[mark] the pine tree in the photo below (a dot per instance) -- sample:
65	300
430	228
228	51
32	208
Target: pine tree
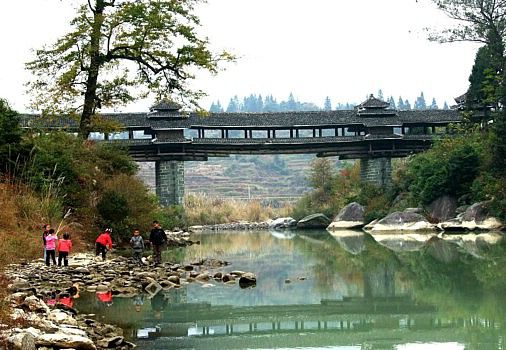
391	102
327	106
400	104
234	106
445	107
380	95
407	105
434	105
420	102
291	104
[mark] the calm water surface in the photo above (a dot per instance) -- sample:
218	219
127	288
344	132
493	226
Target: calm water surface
319	291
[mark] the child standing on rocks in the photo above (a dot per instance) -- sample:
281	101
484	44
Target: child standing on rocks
64	247
137	243
51	239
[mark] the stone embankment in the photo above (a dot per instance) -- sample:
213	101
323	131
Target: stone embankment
61	326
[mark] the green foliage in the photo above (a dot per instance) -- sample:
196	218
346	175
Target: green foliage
449	167
113	209
10	135
172	217
332	190
119	51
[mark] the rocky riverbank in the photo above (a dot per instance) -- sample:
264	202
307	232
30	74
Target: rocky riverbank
34	286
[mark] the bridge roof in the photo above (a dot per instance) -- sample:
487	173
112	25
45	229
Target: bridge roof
262	120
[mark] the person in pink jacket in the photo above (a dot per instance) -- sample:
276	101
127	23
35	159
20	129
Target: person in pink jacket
51	240
64	247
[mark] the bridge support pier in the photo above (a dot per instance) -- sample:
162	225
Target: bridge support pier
169	182
377	171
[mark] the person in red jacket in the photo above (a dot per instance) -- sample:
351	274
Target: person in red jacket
103	241
64	247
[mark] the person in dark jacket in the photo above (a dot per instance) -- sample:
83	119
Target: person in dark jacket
158	239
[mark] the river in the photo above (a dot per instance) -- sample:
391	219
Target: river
319	291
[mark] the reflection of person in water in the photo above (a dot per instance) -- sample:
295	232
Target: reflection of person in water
105	297
138	302
158	304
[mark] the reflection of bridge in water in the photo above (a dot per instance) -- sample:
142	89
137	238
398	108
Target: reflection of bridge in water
371	323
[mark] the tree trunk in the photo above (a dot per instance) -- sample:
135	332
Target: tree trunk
90	96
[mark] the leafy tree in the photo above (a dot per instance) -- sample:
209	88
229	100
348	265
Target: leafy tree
483	21
10	134
327	106
118	51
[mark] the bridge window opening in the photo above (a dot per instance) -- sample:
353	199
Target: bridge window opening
416	130
141	135
398	130
440	129
191	133
123	135
327	132
212	134
96	136
347	132
235	134
283	134
259	134
305	133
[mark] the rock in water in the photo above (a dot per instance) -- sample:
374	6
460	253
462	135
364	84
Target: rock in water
402	221
282	223
476	216
351	216
248	280
314	221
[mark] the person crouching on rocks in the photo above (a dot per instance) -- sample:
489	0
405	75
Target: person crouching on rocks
158	239
102	242
64	247
51	240
137	243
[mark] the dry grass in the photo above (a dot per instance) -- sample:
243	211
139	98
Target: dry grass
21	219
204	210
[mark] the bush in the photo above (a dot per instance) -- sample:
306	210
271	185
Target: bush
10	136
450	167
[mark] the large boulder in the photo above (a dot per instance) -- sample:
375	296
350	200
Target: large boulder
314	221
282	223
351	216
475	217
442	208
62	340
403	221
22	341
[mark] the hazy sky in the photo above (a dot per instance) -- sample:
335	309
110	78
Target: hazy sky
345	49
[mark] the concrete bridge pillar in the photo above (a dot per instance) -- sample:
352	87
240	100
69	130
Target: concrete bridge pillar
169	177
377	171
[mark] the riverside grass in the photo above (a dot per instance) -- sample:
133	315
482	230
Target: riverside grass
205	210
